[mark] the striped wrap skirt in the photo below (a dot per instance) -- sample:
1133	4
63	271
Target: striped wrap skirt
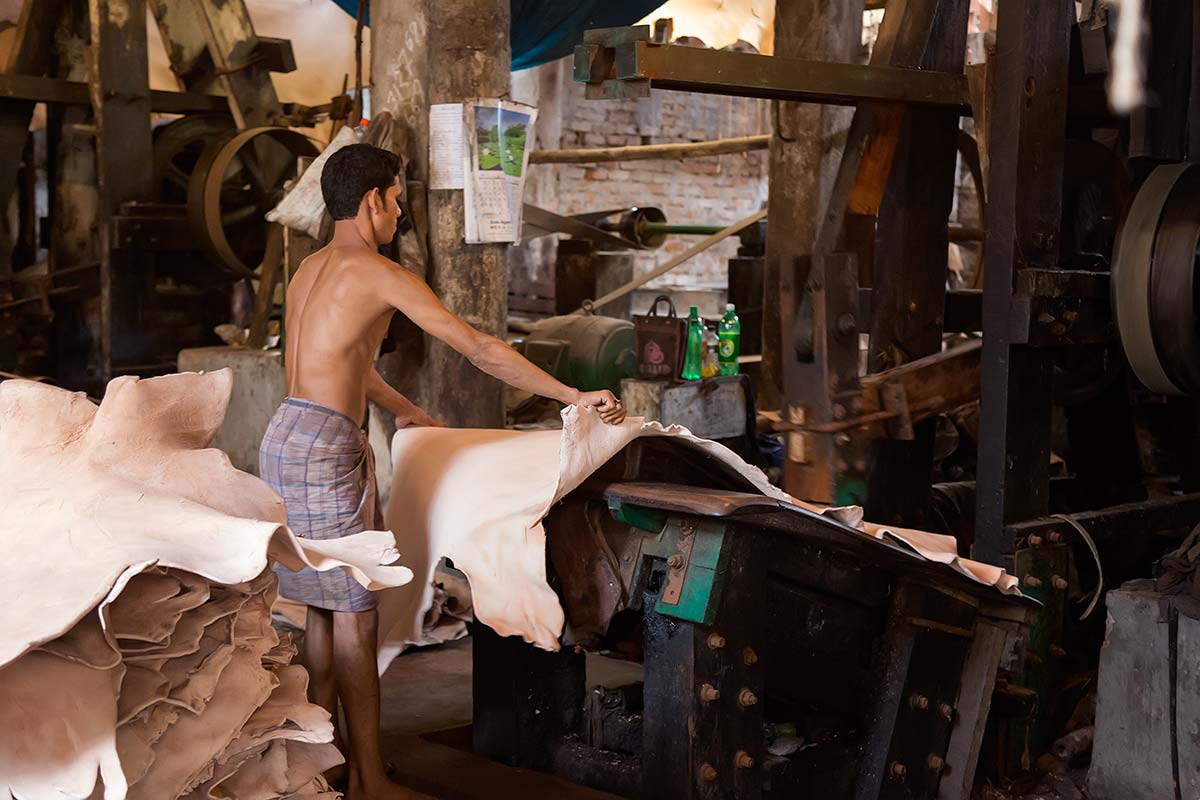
319	462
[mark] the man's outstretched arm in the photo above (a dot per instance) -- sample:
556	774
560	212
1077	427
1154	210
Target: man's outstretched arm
411	296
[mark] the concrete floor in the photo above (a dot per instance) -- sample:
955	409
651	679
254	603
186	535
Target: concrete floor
429	689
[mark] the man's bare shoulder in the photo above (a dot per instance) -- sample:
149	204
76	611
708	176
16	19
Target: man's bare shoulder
374	265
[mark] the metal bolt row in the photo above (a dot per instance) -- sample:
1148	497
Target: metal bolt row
741	760
933	762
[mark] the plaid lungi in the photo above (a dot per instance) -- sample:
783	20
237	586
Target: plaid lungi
319	462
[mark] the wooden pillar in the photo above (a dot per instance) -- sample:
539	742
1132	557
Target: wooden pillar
1026	143
821	326
447	52
30	55
909	273
119	80
805	147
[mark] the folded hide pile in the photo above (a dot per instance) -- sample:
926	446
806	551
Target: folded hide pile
137	657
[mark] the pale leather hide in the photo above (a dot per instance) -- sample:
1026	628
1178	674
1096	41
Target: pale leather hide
137	656
479	497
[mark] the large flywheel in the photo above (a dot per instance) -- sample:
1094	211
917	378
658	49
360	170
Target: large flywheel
1154	281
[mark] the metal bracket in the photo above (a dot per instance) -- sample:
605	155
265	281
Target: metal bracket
608	54
679	561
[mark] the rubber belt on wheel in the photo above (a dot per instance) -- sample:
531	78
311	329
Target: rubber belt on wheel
1130	287
1172	284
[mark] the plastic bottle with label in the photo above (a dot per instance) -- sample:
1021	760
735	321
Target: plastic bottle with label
694	354
730	346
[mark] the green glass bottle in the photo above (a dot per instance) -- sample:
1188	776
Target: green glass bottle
730	345
694	355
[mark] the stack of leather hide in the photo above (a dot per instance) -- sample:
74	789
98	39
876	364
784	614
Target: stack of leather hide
137	656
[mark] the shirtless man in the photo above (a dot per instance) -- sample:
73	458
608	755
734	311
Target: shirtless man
315	453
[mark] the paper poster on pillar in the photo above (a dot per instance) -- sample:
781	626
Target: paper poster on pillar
498	136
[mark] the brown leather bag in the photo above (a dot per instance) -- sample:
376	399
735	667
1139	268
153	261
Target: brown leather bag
661	342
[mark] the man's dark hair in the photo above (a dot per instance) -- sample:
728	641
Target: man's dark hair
352	172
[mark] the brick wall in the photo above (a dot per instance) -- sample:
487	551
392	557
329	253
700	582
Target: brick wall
717	190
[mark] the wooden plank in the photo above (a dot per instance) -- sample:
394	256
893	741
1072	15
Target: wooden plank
185	42
233	48
30	54
974	704
118	78
1026	144
41	89
691	69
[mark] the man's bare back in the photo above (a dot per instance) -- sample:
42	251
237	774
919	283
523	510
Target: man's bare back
335	321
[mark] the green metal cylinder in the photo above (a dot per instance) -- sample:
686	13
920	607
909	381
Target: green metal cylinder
584	351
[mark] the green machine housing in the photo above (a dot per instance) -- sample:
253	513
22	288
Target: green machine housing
585	351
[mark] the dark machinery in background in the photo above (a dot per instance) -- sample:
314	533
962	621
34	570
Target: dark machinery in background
155	199
1065	440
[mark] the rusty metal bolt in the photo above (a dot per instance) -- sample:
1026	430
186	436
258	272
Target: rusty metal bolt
842	439
1031	581
918	702
1059	582
709	693
743	760
749	657
946	712
746	698
708	773
675	561
935	762
1055	537
897	770
715	641
1057	651
839	411
1034	540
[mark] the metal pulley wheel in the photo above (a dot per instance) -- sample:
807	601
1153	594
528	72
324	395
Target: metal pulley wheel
1154	281
237	180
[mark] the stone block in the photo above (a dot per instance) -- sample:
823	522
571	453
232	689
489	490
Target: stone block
1148	636
259	386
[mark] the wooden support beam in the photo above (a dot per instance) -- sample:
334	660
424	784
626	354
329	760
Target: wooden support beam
119	81
240	71
40	89
802	160
1026	142
833	469
1162	516
909	272
618	70
717	147
30	54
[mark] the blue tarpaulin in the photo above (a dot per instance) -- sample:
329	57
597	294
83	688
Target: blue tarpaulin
545	30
